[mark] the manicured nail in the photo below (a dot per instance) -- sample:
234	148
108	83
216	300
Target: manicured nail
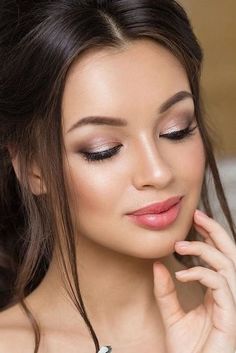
199	213
181	273
157	264
182	244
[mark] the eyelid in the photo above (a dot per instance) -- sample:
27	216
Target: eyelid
174	124
176	128
103	147
179	125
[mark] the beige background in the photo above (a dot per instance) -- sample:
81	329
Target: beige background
214	22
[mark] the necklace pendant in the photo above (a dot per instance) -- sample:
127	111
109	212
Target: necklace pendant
105	349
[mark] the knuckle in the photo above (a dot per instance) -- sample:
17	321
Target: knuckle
198	247
222	280
197	269
228	266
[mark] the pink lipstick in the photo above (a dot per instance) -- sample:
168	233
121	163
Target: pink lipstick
159	215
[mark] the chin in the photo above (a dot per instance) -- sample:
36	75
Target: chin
153	245
148	250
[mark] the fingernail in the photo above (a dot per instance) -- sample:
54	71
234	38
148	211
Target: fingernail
157	263
182	244
199	213
181	273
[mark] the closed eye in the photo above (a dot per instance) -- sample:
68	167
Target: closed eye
102	155
180	134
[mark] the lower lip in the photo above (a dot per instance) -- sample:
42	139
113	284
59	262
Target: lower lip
158	221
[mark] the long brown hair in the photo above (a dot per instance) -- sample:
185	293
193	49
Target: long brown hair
39	41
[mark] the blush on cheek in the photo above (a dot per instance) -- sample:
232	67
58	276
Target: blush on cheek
191	156
93	192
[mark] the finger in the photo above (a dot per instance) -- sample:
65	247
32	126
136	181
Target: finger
205	235
213	257
166	295
217	233
224	313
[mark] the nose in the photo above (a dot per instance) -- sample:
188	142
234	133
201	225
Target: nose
152	168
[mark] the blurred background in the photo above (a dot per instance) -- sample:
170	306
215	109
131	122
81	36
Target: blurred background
214	23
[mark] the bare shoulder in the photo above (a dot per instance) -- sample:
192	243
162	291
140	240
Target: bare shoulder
17	336
15	331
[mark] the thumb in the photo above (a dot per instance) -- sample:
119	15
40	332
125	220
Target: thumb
166	295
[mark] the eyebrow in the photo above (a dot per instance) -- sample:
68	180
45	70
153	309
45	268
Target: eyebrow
112	121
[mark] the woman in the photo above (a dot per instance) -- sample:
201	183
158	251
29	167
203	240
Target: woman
105	160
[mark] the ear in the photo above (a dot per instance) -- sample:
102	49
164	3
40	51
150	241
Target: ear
36	183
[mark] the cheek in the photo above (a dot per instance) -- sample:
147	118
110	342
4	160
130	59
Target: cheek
96	188
197	161
189	162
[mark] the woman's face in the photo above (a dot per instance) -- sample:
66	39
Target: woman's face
137	85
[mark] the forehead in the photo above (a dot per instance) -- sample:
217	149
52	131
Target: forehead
122	81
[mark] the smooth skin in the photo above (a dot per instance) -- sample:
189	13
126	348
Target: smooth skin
131	301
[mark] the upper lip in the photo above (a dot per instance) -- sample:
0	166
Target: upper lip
157	207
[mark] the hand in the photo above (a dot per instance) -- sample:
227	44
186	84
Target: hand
211	327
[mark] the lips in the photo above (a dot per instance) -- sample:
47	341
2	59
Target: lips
158	207
158	216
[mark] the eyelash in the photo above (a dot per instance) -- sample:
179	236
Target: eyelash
101	156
